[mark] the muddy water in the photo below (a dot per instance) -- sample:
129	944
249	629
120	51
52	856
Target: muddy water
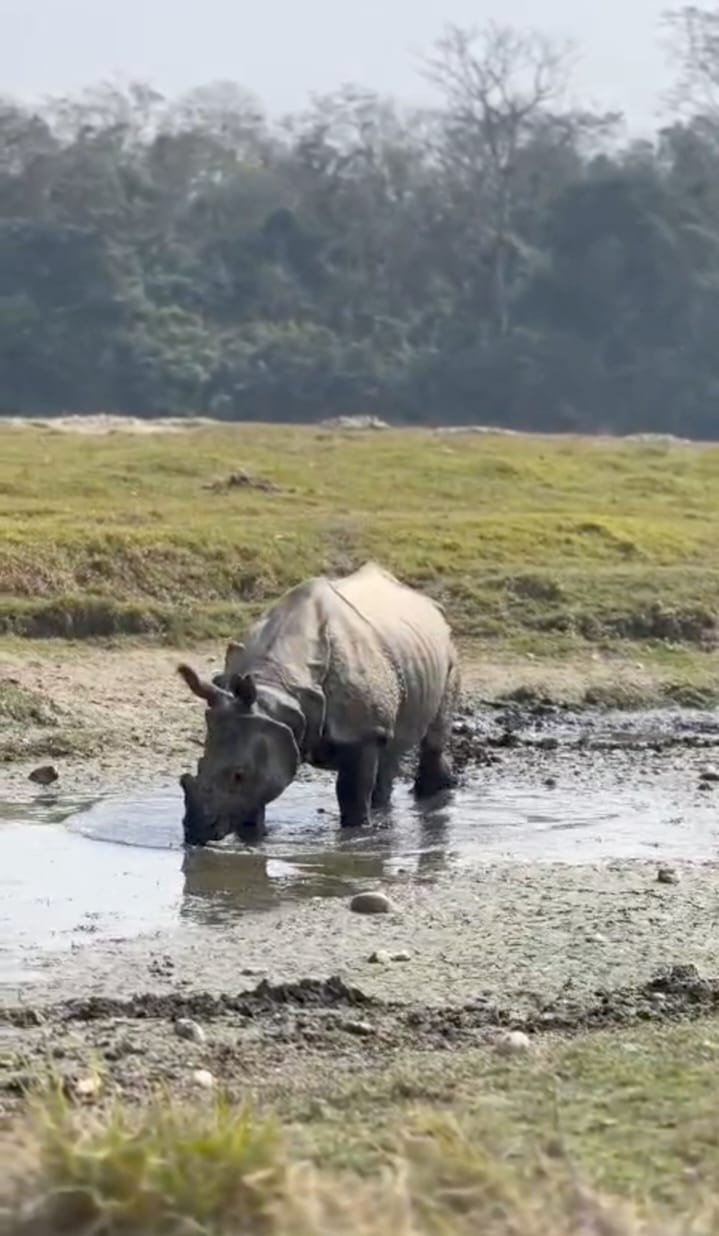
72	870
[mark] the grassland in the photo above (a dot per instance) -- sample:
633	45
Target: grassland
540	542
600	554
604	1135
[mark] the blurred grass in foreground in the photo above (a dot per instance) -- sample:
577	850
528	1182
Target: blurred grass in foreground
605	1135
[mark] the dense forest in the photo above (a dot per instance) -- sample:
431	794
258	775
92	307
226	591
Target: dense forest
501	257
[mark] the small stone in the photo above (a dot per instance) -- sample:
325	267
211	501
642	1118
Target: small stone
44	775
187	1029
86	1087
513	1043
596	937
361	1028
371	903
710	773
380	958
667	875
550	783
203	1078
401	957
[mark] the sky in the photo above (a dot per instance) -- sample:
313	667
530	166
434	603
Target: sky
286	50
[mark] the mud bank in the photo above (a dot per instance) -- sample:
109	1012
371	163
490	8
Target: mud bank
277	1035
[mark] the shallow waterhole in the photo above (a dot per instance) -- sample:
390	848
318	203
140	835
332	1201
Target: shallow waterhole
75	869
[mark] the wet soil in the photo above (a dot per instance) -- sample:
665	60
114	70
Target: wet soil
529	898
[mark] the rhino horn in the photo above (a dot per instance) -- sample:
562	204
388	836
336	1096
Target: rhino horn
204	690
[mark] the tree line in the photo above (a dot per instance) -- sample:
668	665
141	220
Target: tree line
502	256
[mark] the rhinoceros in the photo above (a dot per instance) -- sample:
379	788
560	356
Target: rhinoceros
346	674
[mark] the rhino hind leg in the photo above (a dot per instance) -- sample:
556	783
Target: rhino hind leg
356	778
384	781
434	771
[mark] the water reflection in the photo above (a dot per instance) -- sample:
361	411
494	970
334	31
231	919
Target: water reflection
44	807
222	883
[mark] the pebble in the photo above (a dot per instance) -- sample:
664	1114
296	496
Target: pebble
710	773
203	1078
513	1043
370	903
550	783
380	958
44	775
362	1028
668	875
187	1029
85	1087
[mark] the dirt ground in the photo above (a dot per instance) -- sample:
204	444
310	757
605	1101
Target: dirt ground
464	953
126	709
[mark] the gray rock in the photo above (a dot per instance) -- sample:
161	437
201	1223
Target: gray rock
371	903
44	775
513	1043
668	875
360	1028
187	1029
380	958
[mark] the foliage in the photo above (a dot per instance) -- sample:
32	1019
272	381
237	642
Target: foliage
501	256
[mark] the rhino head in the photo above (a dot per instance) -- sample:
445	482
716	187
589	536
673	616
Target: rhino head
252	752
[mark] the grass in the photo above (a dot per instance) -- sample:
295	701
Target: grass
540	542
608	1134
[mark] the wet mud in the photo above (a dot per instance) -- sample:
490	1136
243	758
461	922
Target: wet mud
569	883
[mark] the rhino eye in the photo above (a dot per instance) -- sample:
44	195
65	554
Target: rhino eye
238	777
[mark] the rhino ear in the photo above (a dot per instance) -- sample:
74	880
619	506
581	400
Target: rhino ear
244	690
234	649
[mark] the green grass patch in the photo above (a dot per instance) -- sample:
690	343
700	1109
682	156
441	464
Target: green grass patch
519	537
612	1133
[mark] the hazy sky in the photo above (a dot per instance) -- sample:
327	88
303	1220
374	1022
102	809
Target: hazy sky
285	49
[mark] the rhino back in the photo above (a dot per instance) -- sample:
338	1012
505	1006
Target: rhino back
380	651
392	646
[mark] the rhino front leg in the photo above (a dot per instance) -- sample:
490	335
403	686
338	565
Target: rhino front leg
355	782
